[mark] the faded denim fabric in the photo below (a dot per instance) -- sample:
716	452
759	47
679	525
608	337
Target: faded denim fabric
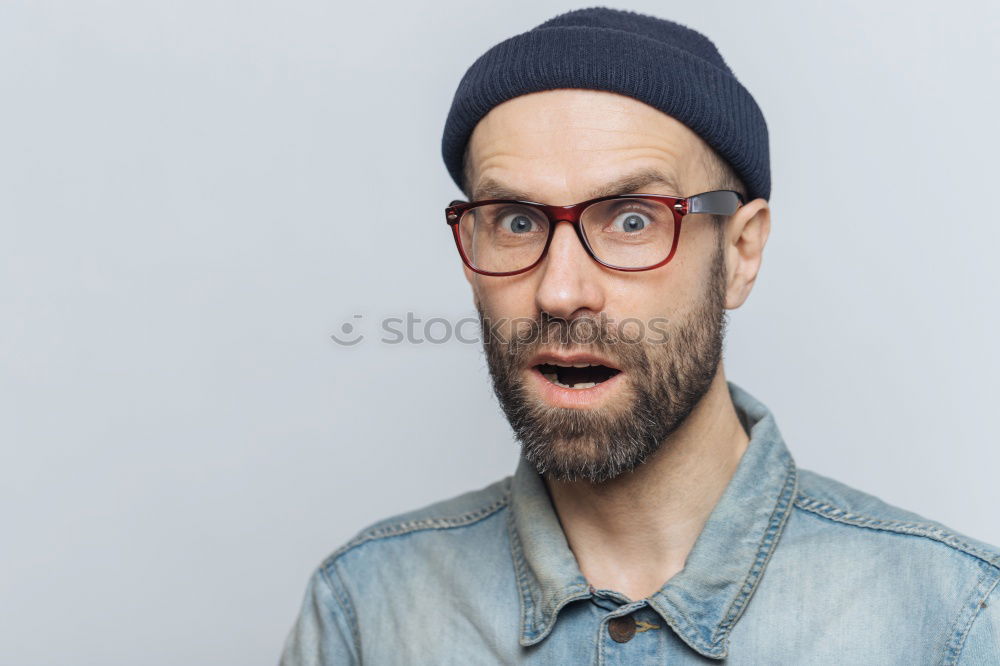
791	568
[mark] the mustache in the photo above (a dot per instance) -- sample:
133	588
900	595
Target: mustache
597	335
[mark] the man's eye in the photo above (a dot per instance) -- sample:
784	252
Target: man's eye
630	222
518	223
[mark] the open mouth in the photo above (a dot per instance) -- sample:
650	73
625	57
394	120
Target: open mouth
576	375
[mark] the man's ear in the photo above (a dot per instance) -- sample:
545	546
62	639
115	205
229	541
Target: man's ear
745	236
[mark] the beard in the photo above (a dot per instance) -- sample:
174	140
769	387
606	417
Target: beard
665	380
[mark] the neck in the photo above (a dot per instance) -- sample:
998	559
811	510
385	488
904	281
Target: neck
633	533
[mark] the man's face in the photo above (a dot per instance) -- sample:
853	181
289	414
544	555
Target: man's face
561	147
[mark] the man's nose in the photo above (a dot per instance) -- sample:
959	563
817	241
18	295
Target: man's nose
570	283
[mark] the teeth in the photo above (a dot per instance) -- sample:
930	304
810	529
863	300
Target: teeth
555	380
554	377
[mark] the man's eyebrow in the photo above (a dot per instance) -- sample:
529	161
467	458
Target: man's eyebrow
629	184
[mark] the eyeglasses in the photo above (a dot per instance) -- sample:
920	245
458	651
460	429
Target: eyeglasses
626	232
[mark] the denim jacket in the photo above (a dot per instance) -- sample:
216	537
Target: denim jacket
790	568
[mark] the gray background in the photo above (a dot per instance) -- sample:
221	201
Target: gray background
187	198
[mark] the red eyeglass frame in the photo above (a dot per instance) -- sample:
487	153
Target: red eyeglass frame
716	202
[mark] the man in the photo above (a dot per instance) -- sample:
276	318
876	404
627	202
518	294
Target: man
618	178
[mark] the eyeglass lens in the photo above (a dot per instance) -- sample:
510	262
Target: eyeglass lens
630	233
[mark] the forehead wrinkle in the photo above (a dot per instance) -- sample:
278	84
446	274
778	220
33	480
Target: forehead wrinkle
671	156
632	182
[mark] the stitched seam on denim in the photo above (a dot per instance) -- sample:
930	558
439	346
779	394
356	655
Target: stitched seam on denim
927	530
600	644
345	602
768	542
520	570
399	529
601	640
979	596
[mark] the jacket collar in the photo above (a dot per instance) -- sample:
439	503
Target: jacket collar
702	602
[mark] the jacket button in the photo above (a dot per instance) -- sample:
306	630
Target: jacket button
622	628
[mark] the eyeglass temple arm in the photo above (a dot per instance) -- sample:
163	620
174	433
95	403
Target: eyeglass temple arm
720	202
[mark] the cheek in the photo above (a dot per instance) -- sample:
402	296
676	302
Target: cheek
506	298
507	309
662	292
681	285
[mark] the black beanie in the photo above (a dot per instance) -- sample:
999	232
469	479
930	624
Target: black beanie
664	64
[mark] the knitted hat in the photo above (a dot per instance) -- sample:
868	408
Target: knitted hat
664	64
